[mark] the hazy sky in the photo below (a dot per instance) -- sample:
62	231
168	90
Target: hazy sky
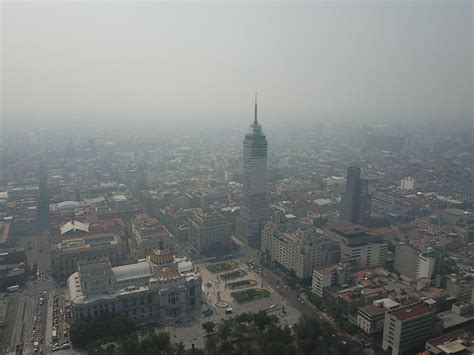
170	62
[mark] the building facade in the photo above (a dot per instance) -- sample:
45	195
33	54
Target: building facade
413	264
461	286
382	202
358	244
209	229
371	318
301	251
162	288
149	234
327	277
254	209
355	201
406	260
408	328
66	253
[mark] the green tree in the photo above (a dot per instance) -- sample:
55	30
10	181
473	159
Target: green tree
209	326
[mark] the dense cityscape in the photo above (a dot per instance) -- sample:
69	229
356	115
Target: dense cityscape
237	178
350	227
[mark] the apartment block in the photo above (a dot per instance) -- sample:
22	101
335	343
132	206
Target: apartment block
327	277
209	229
301	251
460	286
407	329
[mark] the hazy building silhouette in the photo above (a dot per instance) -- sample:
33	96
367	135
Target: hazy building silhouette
355	201
254	208
43	198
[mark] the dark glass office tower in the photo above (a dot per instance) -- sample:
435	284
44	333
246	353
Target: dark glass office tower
355	202
254	207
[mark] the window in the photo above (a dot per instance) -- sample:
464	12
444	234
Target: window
150	299
173	312
173	298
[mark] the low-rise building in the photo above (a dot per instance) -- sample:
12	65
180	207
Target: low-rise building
149	234
457	342
371	318
67	252
358	244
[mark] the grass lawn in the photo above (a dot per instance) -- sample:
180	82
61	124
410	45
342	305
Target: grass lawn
250	295
233	275
242	283
222	267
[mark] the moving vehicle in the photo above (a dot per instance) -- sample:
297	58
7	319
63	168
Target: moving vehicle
228	311
14	288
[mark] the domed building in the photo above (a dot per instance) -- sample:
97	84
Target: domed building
162	288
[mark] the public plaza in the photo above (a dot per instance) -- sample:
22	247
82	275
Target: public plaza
217	295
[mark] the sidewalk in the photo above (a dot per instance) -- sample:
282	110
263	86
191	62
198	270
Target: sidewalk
49	323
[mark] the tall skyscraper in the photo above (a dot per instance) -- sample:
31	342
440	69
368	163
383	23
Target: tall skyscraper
355	202
254	208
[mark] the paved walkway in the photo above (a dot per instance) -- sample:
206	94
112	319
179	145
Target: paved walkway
191	332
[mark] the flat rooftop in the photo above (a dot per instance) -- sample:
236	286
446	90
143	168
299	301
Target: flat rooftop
372	310
348	229
411	312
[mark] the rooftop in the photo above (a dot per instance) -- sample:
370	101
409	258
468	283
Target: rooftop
74	226
348	229
373	310
411	312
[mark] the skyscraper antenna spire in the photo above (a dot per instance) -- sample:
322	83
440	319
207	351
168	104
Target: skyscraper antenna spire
255	122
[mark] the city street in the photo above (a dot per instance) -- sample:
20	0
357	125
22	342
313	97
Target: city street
26	318
276	279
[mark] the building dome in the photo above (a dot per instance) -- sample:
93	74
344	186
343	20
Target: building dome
167	273
161	257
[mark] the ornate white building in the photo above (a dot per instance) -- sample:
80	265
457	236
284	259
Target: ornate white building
161	289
